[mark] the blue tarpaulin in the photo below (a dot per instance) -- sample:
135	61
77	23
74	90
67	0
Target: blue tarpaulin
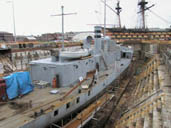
18	84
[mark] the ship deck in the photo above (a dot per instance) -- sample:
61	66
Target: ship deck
40	99
10	113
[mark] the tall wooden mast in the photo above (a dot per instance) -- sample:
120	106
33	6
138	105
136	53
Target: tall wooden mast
118	11
142	4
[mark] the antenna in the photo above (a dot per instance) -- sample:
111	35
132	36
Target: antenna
63	14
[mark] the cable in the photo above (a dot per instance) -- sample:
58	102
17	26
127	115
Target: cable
161	18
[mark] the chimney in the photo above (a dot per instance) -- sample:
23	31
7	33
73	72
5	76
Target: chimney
98	40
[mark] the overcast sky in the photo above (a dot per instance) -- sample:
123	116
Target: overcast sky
34	16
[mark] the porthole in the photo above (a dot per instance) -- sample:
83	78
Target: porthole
76	66
89	92
78	100
44	68
56	112
67	105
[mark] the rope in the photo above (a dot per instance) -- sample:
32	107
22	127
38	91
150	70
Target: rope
161	18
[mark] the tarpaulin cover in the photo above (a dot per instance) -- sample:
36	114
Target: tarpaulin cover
18	84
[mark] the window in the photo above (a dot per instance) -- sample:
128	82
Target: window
89	93
78	100
67	105
56	112
24	45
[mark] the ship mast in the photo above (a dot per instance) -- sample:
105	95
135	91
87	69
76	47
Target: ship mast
63	14
143	8
118	11
142	4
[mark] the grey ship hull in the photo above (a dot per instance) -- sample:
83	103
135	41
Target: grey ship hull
107	59
48	118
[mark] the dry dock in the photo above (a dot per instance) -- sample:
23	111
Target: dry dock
139	98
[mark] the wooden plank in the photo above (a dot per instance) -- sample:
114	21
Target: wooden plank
88	112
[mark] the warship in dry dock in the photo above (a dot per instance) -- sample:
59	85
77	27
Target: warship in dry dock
73	79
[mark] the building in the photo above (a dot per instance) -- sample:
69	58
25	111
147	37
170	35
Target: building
6	37
69	35
50	36
56	36
26	38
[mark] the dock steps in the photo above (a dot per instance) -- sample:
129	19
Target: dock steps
150	105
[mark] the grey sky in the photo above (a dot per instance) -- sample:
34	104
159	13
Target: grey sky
33	16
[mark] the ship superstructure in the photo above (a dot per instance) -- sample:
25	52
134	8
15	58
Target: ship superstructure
72	82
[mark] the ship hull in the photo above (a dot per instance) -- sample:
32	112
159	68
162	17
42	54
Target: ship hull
85	98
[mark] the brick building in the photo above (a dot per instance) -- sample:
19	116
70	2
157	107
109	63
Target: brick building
50	36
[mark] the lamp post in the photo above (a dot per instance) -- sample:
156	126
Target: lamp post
62	7
13	14
104	18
